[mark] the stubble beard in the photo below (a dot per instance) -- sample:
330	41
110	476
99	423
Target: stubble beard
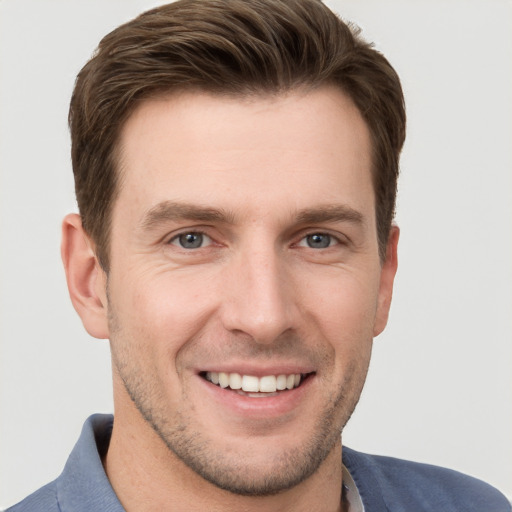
233	473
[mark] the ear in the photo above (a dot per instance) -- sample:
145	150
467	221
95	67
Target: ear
387	278
86	279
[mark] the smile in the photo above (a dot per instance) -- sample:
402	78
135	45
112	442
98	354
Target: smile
255	386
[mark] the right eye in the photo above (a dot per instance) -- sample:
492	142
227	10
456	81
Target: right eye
191	240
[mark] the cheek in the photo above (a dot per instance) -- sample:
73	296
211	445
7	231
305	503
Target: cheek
162	311
151	322
343	303
343	315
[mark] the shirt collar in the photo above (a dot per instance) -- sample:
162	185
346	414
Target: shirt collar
83	485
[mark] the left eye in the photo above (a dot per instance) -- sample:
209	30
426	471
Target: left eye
318	241
192	240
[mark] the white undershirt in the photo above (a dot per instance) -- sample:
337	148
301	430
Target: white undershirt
351	492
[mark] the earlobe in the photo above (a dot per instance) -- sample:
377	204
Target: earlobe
86	279
387	278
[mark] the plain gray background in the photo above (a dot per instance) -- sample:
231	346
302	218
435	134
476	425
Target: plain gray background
440	384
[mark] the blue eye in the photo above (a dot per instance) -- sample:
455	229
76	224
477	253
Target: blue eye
191	240
317	241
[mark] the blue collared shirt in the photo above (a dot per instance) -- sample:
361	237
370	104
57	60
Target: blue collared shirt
83	485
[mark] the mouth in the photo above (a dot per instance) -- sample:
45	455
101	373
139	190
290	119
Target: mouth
256	387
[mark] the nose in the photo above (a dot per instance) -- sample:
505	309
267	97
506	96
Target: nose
259	296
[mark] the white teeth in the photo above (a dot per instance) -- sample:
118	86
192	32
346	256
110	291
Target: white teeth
251	384
280	383
268	384
235	381
223	379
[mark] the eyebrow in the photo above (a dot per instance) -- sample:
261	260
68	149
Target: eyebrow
330	213
168	211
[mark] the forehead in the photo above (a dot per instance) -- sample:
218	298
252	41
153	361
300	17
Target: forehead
250	151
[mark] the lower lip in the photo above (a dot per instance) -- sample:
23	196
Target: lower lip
259	407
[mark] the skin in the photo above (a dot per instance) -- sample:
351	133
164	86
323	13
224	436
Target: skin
257	177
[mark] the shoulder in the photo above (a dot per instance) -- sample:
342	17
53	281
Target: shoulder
83	485
43	500
406	485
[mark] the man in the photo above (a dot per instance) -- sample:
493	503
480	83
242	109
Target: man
235	167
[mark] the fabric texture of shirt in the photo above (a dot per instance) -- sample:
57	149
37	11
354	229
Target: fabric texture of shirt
385	484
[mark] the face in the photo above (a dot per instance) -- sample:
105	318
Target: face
245	285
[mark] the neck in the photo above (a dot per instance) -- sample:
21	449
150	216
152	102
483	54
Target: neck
146	476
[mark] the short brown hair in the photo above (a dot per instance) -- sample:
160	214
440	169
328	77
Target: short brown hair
235	47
